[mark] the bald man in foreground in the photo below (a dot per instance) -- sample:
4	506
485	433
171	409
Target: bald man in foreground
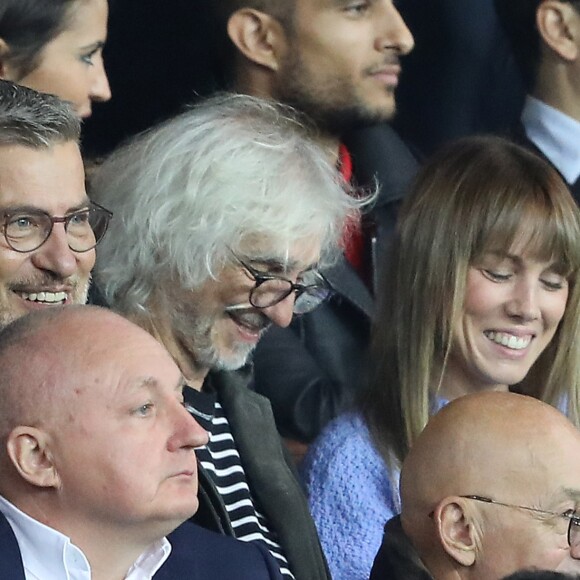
491	486
97	462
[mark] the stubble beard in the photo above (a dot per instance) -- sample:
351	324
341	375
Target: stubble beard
334	106
195	335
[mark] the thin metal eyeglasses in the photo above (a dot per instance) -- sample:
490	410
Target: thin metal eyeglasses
572	516
270	289
26	230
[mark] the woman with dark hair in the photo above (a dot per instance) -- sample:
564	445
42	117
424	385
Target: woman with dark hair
481	294
55	46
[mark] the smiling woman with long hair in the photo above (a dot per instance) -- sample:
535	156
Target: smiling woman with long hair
480	294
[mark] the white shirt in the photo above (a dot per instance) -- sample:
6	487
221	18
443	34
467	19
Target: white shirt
50	555
555	134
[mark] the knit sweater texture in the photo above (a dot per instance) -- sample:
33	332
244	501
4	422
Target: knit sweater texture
351	496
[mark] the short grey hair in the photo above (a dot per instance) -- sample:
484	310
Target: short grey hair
231	168
34	119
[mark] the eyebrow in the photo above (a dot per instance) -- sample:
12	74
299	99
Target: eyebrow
33	209
572	493
94	46
566	494
279	265
554	265
153	383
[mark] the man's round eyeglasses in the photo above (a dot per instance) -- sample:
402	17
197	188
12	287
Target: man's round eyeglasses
26	230
270	289
572	516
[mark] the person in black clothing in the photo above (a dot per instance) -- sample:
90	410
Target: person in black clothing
545	38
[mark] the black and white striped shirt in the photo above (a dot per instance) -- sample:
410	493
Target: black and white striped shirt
220	458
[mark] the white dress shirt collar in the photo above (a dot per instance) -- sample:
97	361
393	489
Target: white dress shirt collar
555	134
49	555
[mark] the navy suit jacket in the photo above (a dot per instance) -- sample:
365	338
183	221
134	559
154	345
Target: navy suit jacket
196	554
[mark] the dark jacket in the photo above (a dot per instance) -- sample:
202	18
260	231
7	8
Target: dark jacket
270	474
312	370
519	136
196	554
397	559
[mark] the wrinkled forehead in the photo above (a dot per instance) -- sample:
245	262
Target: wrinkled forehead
296	255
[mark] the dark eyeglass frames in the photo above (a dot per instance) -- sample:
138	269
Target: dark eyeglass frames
270	289
28	229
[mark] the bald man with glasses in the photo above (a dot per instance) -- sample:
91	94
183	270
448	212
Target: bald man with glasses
491	486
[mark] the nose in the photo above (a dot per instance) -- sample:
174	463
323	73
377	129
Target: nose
55	255
100	90
281	314
187	433
523	302
394	33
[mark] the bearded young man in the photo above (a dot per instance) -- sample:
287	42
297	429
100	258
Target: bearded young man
339	62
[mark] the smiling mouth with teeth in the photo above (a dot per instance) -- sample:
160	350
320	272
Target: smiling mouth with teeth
46	297
509	340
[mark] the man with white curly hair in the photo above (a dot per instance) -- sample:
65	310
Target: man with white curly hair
223	215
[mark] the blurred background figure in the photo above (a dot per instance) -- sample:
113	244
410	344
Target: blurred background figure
545	37
481	295
461	77
56	46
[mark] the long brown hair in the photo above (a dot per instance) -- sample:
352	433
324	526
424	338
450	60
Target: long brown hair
475	195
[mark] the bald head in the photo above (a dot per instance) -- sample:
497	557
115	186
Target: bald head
486	441
94	430
43	354
507	447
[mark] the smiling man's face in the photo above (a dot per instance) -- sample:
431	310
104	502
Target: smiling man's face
51	180
217	325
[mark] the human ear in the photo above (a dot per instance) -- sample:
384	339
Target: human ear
258	36
455	530
29	451
559	26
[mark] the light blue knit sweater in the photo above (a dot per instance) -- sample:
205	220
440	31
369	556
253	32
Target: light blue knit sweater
351	496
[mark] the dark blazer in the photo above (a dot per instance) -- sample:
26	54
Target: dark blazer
270	474
519	136
196	554
312	370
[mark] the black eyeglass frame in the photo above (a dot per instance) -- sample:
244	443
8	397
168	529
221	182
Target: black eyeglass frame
572	516
296	287
92	206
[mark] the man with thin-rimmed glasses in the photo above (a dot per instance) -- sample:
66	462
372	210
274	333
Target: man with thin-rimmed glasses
492	486
48	226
